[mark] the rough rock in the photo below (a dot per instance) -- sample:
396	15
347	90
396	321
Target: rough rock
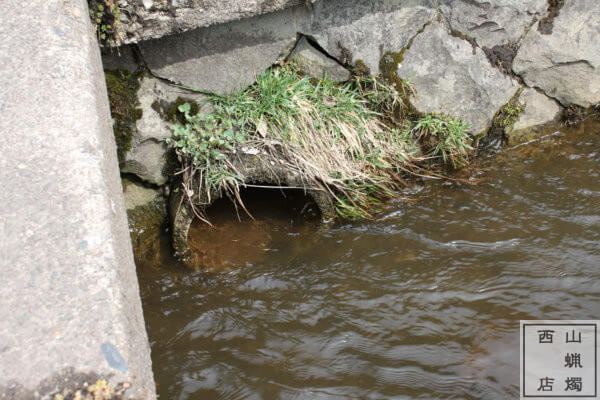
365	29
224	58
538	111
492	23
150	19
70	309
148	161
138	195
317	65
146	214
453	77
123	58
566	64
147	155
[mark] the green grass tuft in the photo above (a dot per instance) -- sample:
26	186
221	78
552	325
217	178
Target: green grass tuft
340	139
443	138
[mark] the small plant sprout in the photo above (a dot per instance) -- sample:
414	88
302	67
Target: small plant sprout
105	16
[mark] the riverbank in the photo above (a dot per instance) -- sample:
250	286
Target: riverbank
498	82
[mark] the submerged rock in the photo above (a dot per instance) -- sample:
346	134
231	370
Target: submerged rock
493	23
138	195
146	214
317	65
453	77
538	111
565	64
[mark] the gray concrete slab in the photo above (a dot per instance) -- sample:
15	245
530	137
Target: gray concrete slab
70	309
150	19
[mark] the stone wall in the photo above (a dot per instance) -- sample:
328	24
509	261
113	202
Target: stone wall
465	58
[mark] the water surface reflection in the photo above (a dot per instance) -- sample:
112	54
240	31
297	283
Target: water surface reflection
422	303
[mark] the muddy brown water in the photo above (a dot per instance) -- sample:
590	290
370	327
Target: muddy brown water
423	302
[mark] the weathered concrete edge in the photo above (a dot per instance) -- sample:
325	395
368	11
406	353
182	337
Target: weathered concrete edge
157	19
70	310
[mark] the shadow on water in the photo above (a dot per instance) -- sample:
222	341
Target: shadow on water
240	238
423	302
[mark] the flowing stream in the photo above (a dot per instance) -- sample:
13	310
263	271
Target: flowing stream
422	302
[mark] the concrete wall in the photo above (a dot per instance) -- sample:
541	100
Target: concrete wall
70	309
150	19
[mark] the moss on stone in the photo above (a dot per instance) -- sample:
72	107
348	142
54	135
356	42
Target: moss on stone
361	69
122	89
388	67
505	118
172	163
146	226
574	114
546	24
388	70
510	112
170	111
346	56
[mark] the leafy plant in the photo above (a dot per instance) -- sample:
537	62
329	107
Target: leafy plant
443	137
509	114
339	139
203	143
105	16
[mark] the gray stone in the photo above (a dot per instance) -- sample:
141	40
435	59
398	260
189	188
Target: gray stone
493	23
138	195
147	155
451	76
314	63
147	160
365	29
538	110
153	19
224	58
565	64
70	309
539	114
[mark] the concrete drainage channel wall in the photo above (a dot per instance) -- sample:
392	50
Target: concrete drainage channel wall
70	315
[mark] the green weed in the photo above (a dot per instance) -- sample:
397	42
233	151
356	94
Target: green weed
339	139
105	15
443	137
509	114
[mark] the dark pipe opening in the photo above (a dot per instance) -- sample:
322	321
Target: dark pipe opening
292	205
236	239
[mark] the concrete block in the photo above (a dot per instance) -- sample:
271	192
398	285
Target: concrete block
70	310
